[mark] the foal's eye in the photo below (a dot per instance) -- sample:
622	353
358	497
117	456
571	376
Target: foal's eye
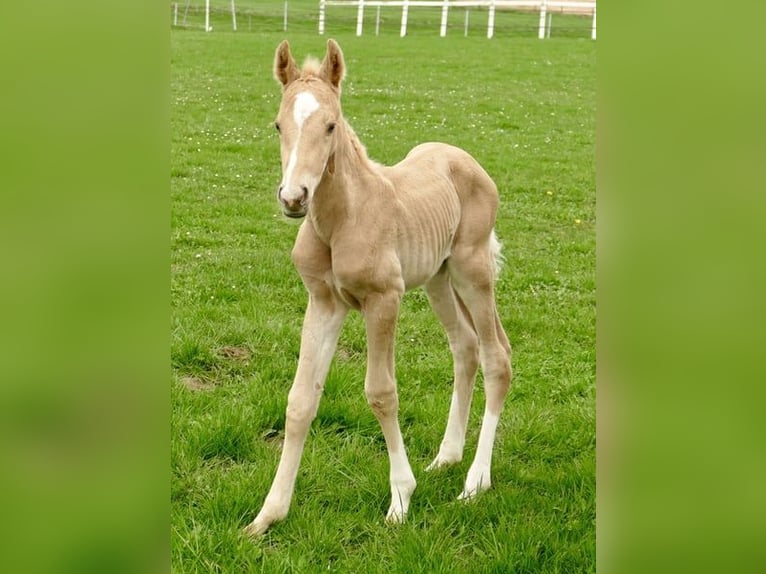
331	128
276	125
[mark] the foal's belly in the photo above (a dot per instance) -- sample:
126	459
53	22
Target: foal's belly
426	229
418	268
423	246
428	214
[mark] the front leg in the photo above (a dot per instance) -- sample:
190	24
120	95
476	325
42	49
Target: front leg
380	314
321	327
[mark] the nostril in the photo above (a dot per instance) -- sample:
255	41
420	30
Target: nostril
305	191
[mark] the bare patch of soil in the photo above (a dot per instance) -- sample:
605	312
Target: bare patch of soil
196	384
238	353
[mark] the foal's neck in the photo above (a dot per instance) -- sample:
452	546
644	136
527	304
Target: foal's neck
345	182
351	155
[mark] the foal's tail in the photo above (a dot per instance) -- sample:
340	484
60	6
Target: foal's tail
497	259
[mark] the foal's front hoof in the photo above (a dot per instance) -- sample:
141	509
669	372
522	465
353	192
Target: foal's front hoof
401	492
268	515
396	515
443	461
256	528
261	524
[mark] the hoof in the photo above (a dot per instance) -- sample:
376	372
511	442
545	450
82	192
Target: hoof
395	516
476	483
467	496
442	462
255	529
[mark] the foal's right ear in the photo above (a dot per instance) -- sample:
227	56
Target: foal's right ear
285	69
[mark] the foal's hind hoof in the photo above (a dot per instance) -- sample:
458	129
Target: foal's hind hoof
477	482
468	496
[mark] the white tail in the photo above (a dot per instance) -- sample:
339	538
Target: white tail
495	249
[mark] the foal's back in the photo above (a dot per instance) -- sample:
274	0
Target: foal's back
433	170
446	200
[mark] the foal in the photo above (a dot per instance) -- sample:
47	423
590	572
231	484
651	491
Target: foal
371	233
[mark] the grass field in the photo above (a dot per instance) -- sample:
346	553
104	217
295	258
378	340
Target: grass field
526	110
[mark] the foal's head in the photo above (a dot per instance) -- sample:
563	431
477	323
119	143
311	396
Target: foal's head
307	120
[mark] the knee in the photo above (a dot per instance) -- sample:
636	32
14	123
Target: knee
300	409
382	399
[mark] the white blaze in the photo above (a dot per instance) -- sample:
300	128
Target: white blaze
305	105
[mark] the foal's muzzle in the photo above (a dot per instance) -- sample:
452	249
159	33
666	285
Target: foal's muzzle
294	207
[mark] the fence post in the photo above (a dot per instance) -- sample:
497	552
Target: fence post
465	34
593	29
377	21
207	16
491	20
541	27
284	25
405	9
445	12
233	16
322	5
360	18
175	14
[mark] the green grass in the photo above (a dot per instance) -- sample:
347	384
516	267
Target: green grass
526	110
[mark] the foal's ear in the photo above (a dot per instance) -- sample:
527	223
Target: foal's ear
285	69
333	67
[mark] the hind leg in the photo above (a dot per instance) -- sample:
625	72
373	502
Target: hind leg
465	352
472	276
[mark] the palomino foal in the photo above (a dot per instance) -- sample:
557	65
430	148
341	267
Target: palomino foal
371	233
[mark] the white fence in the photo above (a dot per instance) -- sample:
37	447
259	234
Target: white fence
262	14
543	6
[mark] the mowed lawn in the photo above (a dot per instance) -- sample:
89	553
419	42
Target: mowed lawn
525	109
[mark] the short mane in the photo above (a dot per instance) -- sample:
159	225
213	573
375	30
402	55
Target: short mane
311	67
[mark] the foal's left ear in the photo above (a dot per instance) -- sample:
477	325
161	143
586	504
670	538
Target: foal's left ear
333	67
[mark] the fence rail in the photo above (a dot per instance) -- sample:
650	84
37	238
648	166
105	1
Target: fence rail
543	6
273	15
